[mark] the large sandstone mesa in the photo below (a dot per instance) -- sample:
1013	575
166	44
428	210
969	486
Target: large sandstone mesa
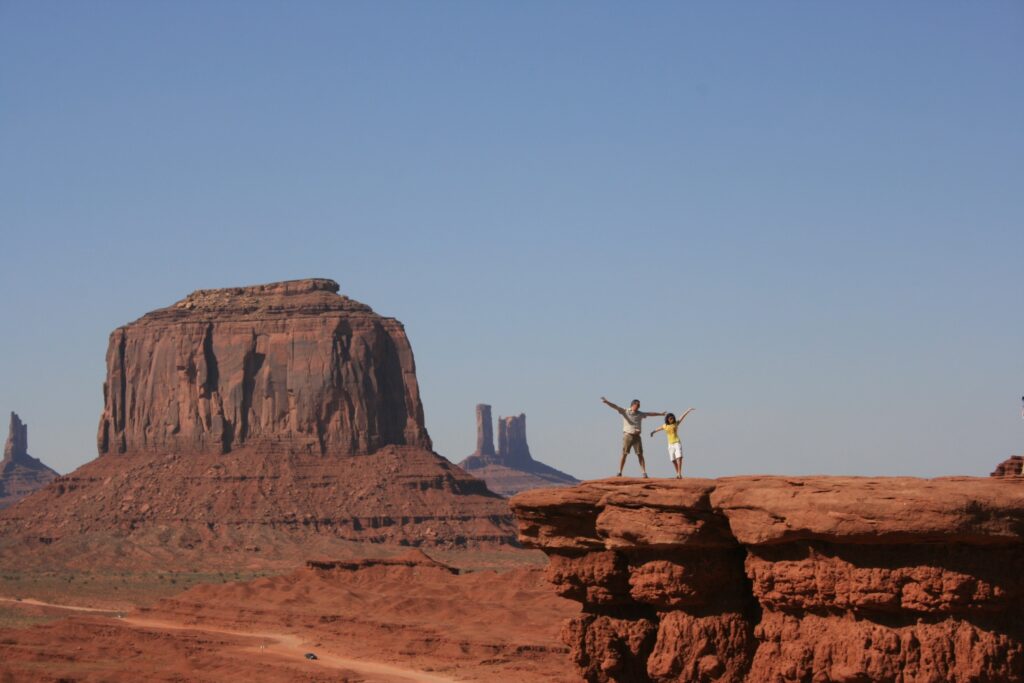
20	473
289	366
787	579
511	469
229	435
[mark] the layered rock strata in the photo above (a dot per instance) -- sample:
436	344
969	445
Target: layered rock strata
283	367
787	579
172	511
20	473
511	469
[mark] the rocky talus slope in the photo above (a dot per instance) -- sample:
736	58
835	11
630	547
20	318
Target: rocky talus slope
255	426
787	579
219	512
511	468
20	473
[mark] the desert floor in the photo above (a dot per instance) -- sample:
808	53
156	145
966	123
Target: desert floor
413	620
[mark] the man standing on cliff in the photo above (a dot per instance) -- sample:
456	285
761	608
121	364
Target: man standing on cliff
631	419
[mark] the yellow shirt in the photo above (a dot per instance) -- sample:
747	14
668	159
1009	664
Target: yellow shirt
670	430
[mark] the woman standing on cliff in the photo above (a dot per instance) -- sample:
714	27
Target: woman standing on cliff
675	447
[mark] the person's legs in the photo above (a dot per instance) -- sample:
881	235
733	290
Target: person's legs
675	454
632	441
627	440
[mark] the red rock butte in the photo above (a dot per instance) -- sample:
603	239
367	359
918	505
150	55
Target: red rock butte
286	367
255	426
511	469
787	578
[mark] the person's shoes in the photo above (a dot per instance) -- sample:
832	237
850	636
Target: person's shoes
619	474
679	476
645	475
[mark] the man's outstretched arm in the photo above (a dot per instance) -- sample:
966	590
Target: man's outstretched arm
612	406
654	414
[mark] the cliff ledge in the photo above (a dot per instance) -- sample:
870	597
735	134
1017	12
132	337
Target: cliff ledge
787	578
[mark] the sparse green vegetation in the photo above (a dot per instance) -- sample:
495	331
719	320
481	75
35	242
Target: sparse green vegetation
113	590
12	616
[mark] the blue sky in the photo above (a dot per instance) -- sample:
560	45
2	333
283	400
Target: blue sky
804	219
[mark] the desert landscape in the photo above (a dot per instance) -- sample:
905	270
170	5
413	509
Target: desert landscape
502	342
263	472
265	505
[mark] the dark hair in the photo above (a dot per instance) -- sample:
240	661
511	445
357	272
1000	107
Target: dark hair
635	402
669	418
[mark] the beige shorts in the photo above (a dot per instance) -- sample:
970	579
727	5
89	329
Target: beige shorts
632	441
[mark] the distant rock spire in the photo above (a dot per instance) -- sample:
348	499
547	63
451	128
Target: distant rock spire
513	451
20	473
512	468
16	448
484	432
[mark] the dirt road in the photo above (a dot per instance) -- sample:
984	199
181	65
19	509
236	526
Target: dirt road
72	608
291	646
287	646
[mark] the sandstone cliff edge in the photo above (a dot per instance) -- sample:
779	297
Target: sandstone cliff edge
787	579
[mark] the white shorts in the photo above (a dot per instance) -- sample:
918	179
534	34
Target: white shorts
675	451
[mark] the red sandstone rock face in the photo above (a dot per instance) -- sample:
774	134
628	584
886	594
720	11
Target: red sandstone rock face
511	469
787	579
284	367
20	473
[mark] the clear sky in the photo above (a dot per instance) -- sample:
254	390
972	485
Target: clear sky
804	219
